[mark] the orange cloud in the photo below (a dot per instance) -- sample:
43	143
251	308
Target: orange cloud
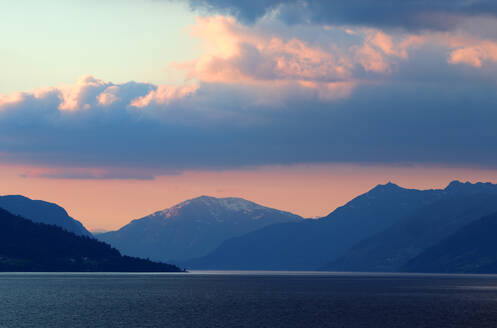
474	54
10	98
235	53
89	93
378	49
73	96
388	46
164	94
371	59
88	173
108	97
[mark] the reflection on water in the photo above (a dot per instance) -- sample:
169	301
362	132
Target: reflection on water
247	299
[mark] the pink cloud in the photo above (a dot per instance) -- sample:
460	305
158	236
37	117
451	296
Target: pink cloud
163	95
273	63
10	99
83	94
98	173
378	49
474	53
372	59
109	96
235	53
90	93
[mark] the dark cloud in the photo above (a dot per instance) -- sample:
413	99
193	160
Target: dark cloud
409	14
394	123
425	111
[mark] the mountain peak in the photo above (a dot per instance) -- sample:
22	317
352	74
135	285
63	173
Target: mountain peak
228	203
389	186
457	186
213	206
212	199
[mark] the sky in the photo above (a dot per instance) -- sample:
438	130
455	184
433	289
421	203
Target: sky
115	109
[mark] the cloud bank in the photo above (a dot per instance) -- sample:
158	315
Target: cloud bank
408	14
274	94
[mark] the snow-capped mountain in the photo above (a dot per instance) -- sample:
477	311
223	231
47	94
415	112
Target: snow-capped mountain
193	228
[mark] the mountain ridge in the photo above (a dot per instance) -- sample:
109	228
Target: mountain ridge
310	243
388	250
471	249
27	246
42	212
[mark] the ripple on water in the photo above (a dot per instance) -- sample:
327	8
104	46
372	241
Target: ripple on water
256	299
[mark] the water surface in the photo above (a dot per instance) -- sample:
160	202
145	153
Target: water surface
247	299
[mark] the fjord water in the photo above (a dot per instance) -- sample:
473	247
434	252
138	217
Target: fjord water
247	299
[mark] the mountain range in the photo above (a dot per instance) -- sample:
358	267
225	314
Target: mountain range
392	248
309	244
388	228
380	230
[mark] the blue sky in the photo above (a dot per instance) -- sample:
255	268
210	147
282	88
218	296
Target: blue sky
46	43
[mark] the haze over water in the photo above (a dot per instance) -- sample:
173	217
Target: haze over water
247	299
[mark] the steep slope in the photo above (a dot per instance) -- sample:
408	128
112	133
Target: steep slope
312	243
42	212
36	247
391	249
193	228
472	249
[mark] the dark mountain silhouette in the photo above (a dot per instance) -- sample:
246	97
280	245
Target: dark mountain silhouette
312	243
26	246
192	228
391	249
42	212
472	249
